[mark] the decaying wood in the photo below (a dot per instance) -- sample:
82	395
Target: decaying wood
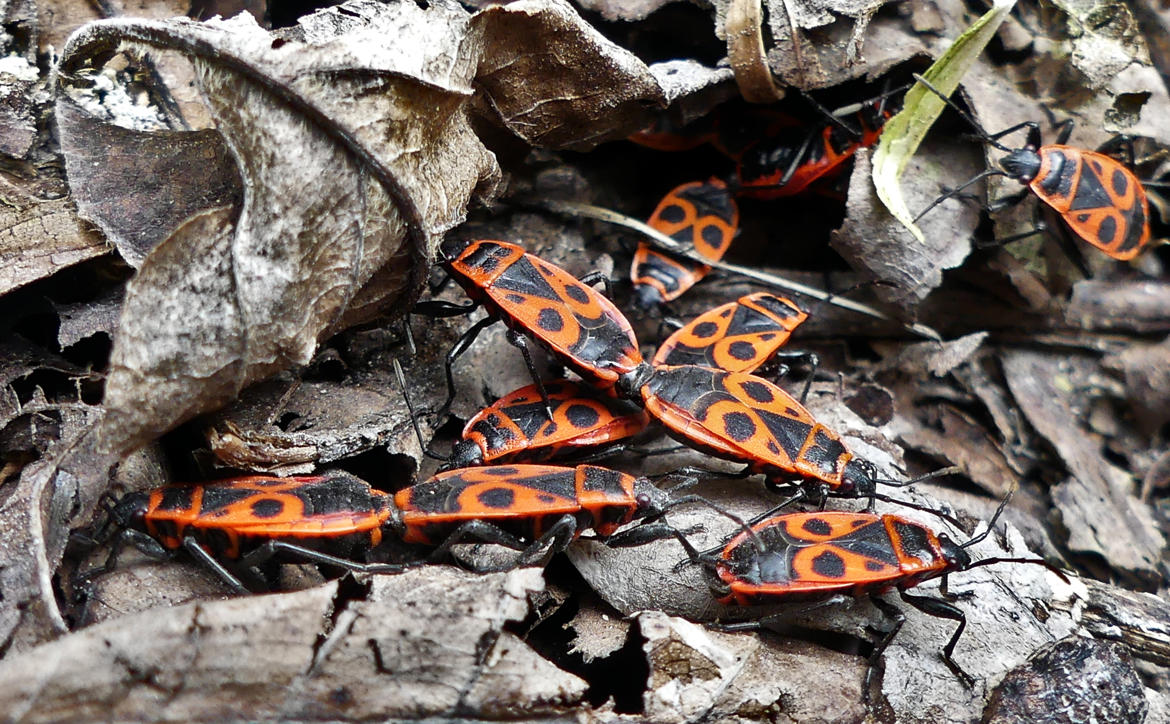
229	266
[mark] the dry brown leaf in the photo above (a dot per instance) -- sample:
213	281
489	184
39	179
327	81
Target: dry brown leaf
557	82
873	241
236	294
139	186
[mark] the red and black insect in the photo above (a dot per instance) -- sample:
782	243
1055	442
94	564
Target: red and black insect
1097	197
334	518
737	337
741	417
516	426
577	324
818	555
790	162
330	518
699	215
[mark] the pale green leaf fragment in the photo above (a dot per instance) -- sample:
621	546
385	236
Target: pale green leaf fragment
905	131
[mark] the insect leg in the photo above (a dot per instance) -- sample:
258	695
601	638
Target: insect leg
596	276
895	614
942	609
442	309
457	349
198	553
517	340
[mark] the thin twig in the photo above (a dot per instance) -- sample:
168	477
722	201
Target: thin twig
590	211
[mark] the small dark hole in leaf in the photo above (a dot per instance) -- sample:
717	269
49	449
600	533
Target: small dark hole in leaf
287	419
278	42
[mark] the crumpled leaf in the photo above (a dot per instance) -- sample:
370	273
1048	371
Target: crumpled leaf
334	182
139	186
921	106
557	82
429	642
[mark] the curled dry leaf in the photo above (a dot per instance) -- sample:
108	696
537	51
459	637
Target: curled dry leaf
139	186
354	156
557	82
429	642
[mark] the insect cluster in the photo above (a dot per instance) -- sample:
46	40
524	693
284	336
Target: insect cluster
703	386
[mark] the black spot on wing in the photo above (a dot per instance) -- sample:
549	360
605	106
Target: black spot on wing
582	417
1120	182
712	236
1107	230
817	526
673	214
739	426
757	391
576	293
267	508
501	498
829	565
550	320
1135	228
704	330
742	350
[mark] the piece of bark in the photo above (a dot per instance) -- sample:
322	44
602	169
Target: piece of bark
1073	680
1138	306
1096	505
429	642
1140	621
701	675
39	237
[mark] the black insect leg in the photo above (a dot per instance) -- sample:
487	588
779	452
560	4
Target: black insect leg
441	309
460	346
140	540
273	548
895	614
198	553
800	355
942	609
642	534
596	276
1064	130
517	340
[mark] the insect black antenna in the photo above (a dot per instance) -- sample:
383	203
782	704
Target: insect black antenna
1036	561
958	189
413	417
983	135
915	506
991	523
834	117
928	476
